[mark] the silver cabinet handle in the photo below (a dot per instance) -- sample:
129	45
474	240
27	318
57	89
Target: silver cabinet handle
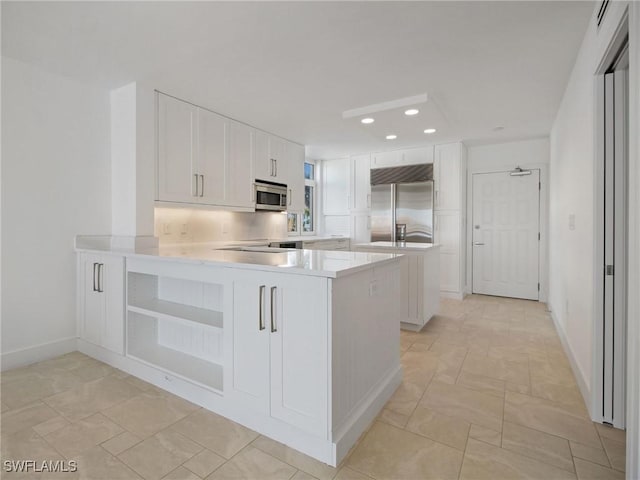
100	277
95	282
368	200
274	327
261	308
275	162
477	244
196	175
272	167
436	201
202	185
290	196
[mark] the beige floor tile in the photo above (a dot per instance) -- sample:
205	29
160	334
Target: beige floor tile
388	452
606	431
120	443
93	371
178	444
406	398
25	417
465	403
222	436
499	368
451	431
91	397
566	394
483	461
591	471
593	455
252	463
302	462
491	386
486	435
537	445
300	475
78	437
28	445
549	417
150	412
97	464
51	425
347	473
547	372
616	451
38	384
151	459
204	463
181	473
518	388
393	418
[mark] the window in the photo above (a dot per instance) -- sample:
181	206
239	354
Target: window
308	216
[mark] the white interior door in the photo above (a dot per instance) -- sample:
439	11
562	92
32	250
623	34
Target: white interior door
506	230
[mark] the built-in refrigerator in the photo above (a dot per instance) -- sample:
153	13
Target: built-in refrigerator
402	204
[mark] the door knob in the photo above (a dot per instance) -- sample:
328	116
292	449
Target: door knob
478	243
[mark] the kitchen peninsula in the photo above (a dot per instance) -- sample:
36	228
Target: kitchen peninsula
299	345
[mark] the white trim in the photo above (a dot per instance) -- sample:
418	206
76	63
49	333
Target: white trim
577	373
37	353
633	285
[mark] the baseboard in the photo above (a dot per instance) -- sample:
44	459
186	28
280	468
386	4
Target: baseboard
453	295
582	383
37	353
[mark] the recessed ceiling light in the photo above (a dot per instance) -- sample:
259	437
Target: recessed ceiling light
367	120
430	130
411	111
391	137
497	129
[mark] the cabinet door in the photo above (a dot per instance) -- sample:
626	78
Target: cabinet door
361	232
176	125
250	360
277	154
211	157
386	159
113	292
337	184
299	352
416	156
361	191
295	177
447	177
240	176
262	164
93	311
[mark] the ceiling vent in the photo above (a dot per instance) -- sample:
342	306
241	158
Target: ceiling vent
601	11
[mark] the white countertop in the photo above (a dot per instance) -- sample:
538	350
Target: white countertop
301	261
397	246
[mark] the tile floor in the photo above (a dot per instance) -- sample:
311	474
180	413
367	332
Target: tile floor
487	394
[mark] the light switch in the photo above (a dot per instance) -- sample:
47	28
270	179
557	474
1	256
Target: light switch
572	221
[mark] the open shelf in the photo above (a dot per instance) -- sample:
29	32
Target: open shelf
183	365
176	311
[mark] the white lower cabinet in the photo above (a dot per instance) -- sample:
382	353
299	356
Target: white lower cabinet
280	348
101	300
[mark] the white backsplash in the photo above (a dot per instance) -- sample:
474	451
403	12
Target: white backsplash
185	225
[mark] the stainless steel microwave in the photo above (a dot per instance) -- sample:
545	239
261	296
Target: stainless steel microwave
271	196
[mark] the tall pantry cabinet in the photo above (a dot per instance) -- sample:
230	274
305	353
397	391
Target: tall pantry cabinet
449	218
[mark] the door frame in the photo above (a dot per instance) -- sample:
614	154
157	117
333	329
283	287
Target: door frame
543	252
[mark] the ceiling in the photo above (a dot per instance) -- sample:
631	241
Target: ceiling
292	68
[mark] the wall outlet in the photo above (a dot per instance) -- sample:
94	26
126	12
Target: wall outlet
572	221
373	289
184	228
225	228
166	228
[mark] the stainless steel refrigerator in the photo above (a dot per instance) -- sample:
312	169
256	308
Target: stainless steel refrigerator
402	204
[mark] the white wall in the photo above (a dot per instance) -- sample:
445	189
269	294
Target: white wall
573	163
55	185
532	153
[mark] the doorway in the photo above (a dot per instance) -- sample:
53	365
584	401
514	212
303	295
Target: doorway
614	234
506	233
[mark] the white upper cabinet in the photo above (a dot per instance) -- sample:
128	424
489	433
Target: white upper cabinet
212	157
176	169
240	176
295	177
361	189
270	162
397	158
448	182
336	186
